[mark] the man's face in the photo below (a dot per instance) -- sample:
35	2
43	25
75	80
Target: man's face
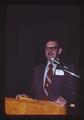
52	49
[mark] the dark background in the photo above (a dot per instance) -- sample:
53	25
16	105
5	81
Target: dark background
26	28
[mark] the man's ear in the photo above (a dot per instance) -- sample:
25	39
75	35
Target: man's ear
60	51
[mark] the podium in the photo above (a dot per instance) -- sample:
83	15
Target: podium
28	106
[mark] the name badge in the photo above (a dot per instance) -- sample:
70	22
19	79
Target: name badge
59	72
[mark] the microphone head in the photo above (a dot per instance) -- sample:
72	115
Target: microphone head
52	59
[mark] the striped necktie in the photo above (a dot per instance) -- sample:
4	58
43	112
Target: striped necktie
48	78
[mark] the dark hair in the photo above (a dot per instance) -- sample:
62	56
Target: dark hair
58	41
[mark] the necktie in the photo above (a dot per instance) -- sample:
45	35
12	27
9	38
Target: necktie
48	78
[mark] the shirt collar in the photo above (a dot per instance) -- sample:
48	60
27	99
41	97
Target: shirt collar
50	63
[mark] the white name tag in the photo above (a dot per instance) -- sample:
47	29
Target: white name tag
59	72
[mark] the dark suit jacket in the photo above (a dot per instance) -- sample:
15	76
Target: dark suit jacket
65	86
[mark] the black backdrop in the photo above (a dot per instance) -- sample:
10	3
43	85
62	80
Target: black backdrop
27	26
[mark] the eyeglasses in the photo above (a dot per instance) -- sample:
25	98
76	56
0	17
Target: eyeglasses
51	48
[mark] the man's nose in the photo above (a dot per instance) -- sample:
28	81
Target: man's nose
50	50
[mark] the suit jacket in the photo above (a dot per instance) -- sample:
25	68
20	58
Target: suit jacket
62	85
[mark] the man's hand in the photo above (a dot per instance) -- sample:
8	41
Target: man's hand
60	100
21	95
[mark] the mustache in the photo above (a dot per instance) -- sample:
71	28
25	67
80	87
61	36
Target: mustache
49	53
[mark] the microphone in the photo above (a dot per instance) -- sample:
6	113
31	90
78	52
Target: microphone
56	61
66	69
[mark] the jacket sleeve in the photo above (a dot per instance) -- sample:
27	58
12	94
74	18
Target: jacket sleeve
72	92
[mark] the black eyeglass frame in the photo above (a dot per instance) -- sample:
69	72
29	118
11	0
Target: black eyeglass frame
51	48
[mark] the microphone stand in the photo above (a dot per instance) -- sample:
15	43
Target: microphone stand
64	68
71	73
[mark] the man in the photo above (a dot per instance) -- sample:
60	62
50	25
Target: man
62	88
54	84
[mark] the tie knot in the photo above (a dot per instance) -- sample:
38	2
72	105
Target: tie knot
50	65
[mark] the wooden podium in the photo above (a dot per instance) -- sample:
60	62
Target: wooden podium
29	106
